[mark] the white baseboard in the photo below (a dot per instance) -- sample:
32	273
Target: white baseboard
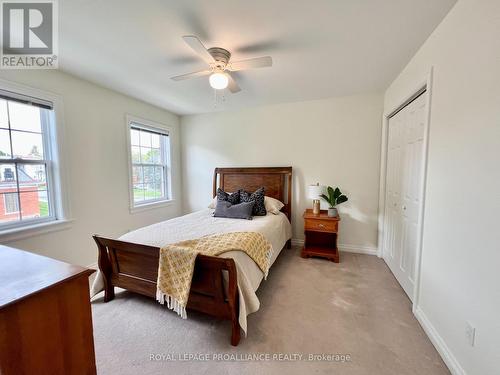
439	343
359	249
92	266
297	242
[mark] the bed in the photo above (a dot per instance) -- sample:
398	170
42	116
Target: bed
223	287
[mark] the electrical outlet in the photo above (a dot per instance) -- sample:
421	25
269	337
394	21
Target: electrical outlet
470	333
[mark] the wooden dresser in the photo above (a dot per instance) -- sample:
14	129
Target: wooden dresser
45	316
320	233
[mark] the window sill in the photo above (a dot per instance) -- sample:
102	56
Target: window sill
151	206
15	234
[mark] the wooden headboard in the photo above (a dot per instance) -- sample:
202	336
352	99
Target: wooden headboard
277	182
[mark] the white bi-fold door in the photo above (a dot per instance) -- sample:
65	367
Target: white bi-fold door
404	173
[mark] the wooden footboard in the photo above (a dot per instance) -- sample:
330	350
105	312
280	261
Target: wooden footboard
135	267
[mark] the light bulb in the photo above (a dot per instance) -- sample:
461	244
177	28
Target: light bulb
218	81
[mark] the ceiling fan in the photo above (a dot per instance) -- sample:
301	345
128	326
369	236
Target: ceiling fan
220	65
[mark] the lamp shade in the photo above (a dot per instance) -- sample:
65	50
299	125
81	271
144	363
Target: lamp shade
314	191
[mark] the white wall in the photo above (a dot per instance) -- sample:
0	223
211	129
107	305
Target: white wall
95	145
334	141
460	261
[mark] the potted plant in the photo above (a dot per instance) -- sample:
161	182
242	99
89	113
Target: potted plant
333	198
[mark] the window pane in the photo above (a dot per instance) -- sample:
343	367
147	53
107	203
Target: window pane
146	155
155	140
134	137
34	204
4	120
149	175
24	117
8	179
137	177
138	193
43	203
158	183
27	145
149	182
145	138
158	190
158	175
4	144
155	156
28	182
136	154
32	177
149	192
9	207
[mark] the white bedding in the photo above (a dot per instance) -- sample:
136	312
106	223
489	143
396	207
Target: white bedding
276	229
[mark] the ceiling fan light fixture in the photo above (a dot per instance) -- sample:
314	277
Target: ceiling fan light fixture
218	81
220	65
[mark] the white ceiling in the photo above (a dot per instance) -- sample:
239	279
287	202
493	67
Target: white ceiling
320	48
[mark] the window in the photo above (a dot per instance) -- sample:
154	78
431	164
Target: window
11	203
26	165
150	163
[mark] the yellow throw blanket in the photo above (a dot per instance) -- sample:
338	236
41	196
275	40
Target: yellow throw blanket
175	271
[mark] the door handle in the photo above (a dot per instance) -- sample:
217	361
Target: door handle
321	225
404	208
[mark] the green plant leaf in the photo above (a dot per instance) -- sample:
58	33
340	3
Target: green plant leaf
327	199
337	193
330	192
342	199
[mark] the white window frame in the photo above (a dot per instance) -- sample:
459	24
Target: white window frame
134	121
56	176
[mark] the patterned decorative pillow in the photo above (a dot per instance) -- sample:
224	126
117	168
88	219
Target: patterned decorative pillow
259	208
233	198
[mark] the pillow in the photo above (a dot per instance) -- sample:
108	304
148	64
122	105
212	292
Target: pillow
213	204
234	211
233	198
273	205
259	209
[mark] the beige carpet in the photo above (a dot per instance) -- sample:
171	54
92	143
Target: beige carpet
308	306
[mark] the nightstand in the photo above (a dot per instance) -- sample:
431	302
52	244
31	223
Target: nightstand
320	236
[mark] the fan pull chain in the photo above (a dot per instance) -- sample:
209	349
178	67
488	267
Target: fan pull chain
222	97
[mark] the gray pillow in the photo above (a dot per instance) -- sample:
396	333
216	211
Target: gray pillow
234	211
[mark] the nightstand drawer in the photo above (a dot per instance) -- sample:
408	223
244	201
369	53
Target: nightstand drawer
321	225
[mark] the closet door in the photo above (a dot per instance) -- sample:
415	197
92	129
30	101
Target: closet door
403	191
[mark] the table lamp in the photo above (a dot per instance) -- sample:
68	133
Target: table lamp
314	192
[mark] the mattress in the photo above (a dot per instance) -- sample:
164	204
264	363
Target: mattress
275	228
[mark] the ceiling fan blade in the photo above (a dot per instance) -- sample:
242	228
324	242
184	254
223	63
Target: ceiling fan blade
258	62
200	73
199	48
233	85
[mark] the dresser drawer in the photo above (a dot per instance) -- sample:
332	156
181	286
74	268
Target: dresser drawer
319	225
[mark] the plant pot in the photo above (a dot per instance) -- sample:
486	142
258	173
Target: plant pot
332	212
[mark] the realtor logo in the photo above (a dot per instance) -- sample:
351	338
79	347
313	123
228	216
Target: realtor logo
29	34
